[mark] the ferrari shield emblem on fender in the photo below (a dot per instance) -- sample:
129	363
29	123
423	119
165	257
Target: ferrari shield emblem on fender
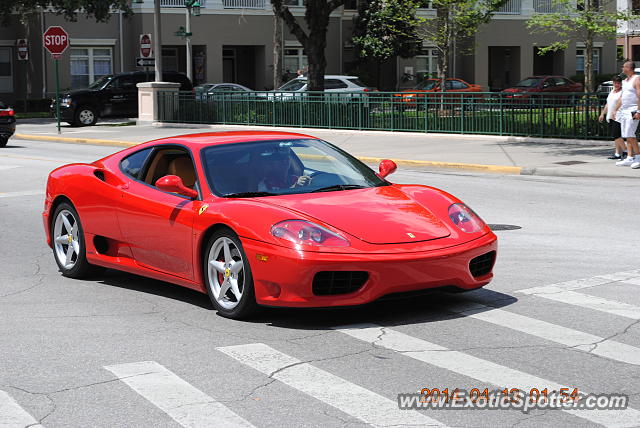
411	235
203	209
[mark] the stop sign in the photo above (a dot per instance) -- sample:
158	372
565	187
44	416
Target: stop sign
56	40
145	45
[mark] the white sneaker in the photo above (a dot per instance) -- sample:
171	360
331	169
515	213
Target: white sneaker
636	164
626	161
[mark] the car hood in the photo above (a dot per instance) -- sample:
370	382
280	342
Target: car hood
377	215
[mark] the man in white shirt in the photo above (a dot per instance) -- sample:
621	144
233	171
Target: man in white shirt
628	116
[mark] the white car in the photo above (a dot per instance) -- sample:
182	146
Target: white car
608	85
332	83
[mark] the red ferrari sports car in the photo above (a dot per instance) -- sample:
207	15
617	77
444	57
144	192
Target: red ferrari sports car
262	218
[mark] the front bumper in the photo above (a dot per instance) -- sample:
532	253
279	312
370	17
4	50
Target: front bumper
66	112
286	277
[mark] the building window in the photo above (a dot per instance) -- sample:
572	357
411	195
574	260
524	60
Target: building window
89	64
635	7
294	60
580	57
427	64
294	2
6	67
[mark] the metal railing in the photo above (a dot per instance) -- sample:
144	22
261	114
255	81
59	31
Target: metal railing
243	4
179	3
546	6
562	115
512	7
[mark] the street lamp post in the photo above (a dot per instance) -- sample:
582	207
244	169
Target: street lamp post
192	6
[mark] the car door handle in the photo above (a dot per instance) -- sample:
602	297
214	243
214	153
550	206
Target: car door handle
124	186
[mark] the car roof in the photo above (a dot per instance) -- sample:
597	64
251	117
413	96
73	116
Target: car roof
227	137
330	76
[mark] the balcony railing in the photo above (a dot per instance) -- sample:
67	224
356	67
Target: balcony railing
512	7
546	6
243	4
178	3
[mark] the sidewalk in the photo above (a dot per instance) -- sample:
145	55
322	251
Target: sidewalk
495	154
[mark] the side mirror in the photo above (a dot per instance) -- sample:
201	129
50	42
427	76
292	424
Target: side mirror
174	184
386	167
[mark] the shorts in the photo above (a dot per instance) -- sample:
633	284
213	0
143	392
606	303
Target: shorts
614	128
628	126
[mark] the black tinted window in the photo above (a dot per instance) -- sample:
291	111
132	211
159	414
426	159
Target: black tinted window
458	85
334	84
132	164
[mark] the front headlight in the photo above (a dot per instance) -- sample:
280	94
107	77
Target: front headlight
302	232
65	102
464	217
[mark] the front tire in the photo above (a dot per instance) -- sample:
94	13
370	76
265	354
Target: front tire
85	116
67	238
3	141
228	277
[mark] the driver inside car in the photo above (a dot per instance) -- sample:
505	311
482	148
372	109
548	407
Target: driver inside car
278	174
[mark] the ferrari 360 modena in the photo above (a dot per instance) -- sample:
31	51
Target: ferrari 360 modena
263	219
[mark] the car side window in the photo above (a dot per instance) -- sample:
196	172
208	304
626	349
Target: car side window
132	165
171	161
334	84
560	81
458	85
124	82
448	85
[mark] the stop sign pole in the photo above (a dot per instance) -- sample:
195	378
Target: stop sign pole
56	41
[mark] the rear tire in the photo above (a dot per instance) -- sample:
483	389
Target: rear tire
228	277
3	141
68	241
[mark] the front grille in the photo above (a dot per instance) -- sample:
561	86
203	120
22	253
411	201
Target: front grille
482	265
338	282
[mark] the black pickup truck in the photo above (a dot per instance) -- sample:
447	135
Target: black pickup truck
112	95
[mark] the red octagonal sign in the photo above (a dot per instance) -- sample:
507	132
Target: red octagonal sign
56	40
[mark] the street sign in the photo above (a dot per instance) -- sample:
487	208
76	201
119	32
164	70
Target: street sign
56	40
145	45
145	62
23	49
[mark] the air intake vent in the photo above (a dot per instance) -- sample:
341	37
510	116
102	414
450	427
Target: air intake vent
338	282
482	265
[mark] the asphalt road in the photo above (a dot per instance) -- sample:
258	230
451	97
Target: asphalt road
124	351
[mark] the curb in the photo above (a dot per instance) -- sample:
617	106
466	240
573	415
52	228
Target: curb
496	169
73	140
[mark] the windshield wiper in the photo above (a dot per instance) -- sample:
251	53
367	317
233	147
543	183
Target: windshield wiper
339	187
247	194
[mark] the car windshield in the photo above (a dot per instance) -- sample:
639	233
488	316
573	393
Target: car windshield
282	167
293	85
529	83
427	84
202	88
99	84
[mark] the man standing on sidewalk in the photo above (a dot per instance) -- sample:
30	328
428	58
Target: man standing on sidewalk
627	115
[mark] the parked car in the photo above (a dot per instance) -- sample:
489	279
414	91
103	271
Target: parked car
205	89
111	95
7	123
607	86
332	83
554	87
427	87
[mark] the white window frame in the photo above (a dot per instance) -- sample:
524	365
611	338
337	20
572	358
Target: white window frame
597	55
90	58
432	61
9	78
301	59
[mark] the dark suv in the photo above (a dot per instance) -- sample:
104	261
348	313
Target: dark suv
7	123
112	95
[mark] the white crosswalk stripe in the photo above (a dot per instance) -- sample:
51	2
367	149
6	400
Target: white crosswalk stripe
22	193
186	404
14	416
351	399
566	336
477	368
564	292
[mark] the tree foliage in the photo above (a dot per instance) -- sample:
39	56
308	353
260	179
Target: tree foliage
96	9
387	28
578	20
455	20
314	38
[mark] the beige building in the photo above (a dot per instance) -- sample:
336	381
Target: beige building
233	42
